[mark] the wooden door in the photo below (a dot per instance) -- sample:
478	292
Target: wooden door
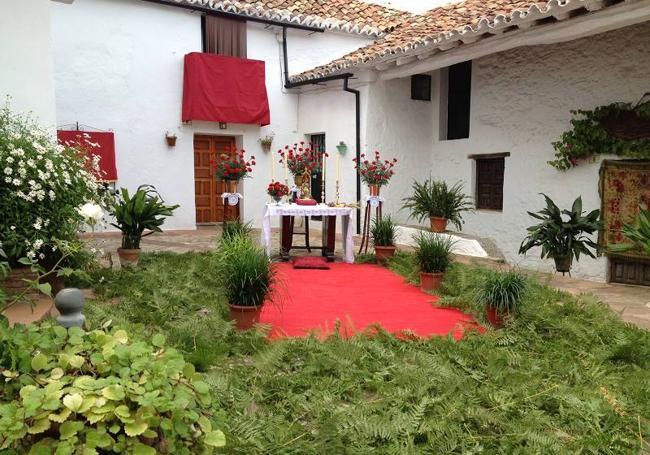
207	189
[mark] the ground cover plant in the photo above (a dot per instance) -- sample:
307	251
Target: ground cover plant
565	376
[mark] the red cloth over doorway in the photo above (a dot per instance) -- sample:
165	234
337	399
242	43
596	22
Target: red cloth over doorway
105	149
219	88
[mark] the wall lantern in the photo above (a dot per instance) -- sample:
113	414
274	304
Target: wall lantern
171	139
342	148
223	126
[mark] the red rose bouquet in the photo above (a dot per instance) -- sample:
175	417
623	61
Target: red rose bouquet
233	166
276	190
301	158
375	171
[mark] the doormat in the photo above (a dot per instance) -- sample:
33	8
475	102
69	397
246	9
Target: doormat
310	262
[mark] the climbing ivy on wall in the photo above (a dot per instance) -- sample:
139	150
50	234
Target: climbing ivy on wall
621	129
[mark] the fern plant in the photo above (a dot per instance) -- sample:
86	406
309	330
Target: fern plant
433	252
384	231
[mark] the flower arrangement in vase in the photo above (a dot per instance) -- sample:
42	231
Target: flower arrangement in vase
375	172
232	167
301	159
277	190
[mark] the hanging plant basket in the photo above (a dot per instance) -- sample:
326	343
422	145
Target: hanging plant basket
627	125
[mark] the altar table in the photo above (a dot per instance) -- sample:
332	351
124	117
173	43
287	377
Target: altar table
329	214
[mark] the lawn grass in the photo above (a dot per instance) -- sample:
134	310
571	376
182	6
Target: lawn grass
565	377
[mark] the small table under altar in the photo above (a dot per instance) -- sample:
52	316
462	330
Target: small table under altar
329	214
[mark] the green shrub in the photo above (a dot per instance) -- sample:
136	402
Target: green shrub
145	210
503	291
235	228
434	198
244	272
72	391
433	252
384	231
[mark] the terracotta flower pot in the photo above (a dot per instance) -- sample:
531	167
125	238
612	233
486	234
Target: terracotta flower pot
374	189
438	224
383	253
128	256
430	281
563	263
171	141
245	316
14	283
494	316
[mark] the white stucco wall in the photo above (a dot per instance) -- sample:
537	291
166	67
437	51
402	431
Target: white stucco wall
119	66
520	103
26	69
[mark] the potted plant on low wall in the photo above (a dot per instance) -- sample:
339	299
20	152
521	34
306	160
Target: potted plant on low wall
384	233
247	277
145	210
563	234
439	202
433	257
501	293
375	172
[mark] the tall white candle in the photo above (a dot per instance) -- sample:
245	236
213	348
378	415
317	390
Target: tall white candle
272	167
324	167
338	167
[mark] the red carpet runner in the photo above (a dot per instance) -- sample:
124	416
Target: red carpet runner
357	296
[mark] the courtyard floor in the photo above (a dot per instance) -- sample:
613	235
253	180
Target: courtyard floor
632	303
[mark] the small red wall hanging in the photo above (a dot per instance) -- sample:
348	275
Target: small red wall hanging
96	143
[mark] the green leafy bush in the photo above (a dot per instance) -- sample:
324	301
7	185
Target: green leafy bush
72	391
434	198
503	291
145	210
433	252
244	272
384	231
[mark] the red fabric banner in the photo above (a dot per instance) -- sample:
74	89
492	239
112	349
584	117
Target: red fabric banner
105	149
219	88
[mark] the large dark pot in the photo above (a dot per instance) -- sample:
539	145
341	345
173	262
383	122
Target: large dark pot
383	253
430	281
245	316
563	263
438	224
128	256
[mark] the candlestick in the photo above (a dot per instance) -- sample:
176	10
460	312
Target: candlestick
324	166
338	167
337	191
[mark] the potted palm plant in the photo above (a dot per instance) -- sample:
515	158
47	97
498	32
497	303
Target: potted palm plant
563	234
144	211
501	293
439	202
433	257
247	277
384	233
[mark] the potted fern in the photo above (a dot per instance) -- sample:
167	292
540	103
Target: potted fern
439	202
384	233
247	277
144	211
501	293
563	234
433	257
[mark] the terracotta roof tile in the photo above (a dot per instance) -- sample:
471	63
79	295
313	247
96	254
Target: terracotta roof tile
347	15
446	22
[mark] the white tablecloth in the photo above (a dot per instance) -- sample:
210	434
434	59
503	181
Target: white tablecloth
345	213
